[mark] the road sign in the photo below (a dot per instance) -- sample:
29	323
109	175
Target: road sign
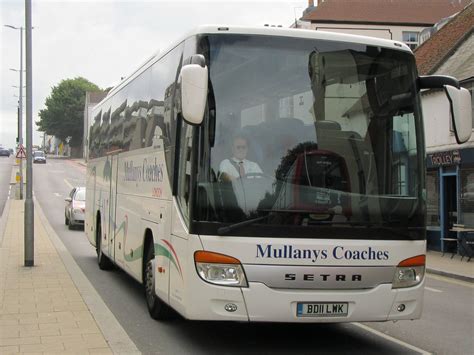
21	154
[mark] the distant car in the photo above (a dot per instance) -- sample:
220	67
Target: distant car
11	150
4	152
39	157
75	207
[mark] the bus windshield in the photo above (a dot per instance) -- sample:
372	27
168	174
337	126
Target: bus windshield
304	136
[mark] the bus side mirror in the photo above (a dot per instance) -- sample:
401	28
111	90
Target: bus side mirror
194	78
461	112
459	102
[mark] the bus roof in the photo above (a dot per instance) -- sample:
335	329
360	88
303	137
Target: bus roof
263	31
298	33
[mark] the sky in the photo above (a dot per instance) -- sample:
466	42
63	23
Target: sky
104	40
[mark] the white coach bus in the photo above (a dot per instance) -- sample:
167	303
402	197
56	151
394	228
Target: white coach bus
268	174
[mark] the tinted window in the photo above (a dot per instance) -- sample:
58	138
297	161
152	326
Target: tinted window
134	125
310	131
163	112
94	139
140	112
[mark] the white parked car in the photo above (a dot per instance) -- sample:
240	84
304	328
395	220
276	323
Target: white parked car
39	157
75	207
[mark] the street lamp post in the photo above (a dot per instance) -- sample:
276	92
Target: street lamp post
294	12
29	205
20	104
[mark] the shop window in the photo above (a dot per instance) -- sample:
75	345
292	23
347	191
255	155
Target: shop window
467	197
432	198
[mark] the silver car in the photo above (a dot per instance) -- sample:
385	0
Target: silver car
39	157
75	207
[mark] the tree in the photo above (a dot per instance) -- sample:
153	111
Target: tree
63	116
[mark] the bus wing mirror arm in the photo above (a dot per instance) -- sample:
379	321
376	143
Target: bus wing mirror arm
459	99
436	82
194	80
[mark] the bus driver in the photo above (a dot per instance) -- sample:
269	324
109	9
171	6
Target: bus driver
237	166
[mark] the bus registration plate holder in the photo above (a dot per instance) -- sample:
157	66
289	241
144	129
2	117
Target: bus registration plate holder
322	309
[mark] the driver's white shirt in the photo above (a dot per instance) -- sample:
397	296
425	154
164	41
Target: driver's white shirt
249	166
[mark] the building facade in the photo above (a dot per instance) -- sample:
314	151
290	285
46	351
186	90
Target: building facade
399	20
450	166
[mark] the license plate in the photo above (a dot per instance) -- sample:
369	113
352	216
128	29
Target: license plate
322	309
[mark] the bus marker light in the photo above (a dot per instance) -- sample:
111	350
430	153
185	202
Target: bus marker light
210	257
419	260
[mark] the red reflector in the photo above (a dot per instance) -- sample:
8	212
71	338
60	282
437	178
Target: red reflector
419	260
202	256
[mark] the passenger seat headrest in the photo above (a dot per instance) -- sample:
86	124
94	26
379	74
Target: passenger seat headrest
328	125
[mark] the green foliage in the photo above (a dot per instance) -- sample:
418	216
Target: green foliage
63	116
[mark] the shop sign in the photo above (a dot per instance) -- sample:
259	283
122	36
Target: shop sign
445	158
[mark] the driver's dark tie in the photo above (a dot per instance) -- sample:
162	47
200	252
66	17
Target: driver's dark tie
241	169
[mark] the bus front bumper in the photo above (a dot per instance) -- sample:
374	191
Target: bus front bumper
381	303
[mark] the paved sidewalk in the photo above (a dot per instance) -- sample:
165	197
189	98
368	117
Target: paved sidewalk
44	308
454	267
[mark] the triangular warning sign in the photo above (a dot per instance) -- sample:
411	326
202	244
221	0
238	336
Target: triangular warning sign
21	154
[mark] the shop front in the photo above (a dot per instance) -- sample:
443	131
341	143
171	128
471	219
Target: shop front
450	199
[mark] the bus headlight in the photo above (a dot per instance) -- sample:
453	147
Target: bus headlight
220	269
409	272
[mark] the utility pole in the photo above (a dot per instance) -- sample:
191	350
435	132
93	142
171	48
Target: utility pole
29	206
294	12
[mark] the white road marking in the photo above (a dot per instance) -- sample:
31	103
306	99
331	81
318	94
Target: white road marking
388	337
451	280
57	194
432	289
68	184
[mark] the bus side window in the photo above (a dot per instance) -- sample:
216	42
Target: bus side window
184	168
164	74
104	128
154	119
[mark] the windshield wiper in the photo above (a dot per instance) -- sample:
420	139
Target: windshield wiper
354	223
227	229
383	226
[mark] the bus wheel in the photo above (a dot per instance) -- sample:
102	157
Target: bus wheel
103	261
157	308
